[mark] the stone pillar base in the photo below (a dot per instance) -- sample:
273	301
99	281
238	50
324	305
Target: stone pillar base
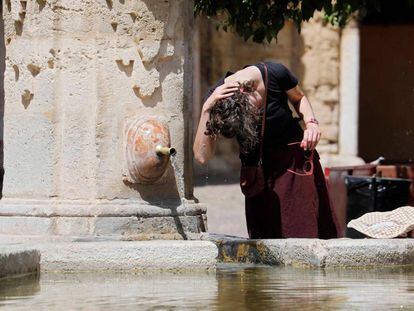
120	219
330	160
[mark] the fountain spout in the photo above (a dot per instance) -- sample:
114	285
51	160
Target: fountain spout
160	150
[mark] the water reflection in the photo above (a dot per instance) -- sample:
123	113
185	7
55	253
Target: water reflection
302	289
232	287
106	291
263	288
17	288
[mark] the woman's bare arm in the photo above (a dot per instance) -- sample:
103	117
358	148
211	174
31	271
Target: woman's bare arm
312	134
204	145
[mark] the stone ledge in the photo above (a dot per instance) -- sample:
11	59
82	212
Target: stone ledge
64	253
17	259
336	253
121	255
102	253
332	160
127	228
97	208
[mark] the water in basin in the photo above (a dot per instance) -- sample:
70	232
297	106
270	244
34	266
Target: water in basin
231	287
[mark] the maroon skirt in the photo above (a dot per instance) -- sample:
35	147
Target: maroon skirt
293	205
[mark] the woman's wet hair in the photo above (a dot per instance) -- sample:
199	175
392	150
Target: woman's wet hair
235	116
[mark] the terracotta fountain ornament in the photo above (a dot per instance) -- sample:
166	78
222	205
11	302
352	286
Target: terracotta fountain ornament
147	149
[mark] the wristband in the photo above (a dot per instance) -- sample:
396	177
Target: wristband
312	120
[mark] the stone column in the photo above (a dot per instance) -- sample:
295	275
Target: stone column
349	94
76	73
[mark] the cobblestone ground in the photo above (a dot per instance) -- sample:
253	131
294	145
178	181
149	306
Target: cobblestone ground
225	208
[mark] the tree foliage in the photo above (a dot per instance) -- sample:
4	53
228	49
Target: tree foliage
263	19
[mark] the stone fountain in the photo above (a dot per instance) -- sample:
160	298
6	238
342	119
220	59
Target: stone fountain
97	100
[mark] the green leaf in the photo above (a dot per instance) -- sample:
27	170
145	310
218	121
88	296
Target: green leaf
263	19
259	35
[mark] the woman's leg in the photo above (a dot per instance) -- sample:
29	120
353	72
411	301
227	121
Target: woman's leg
263	216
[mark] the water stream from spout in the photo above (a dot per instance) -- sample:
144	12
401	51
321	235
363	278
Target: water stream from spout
179	175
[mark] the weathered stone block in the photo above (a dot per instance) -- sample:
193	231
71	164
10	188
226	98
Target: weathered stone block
25	225
335	253
143	255
129	228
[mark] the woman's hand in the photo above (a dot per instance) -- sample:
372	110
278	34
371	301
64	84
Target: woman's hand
204	145
225	90
311	136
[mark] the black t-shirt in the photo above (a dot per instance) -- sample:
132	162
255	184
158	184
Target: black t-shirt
280	128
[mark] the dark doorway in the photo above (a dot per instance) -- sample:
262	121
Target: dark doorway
386	113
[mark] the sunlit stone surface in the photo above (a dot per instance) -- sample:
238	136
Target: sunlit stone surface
76	72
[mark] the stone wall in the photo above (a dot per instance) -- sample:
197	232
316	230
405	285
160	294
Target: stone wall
317	64
76	73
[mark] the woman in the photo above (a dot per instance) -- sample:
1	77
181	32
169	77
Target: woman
295	201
